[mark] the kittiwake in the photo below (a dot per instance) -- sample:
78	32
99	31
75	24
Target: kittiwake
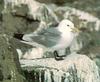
54	38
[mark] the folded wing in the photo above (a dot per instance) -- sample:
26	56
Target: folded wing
48	37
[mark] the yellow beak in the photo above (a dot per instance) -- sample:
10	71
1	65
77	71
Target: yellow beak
75	30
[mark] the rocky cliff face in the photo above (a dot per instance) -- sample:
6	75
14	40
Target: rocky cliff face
27	16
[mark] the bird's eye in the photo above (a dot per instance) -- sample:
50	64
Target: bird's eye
68	25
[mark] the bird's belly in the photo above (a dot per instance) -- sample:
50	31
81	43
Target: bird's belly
64	43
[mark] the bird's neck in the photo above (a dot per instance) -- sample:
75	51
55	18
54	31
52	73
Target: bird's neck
66	33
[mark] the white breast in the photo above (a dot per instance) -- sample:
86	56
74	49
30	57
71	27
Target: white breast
65	41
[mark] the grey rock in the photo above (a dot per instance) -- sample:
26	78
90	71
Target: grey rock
75	68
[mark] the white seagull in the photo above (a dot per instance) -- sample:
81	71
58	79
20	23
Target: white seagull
54	38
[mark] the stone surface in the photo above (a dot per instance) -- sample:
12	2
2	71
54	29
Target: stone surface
18	19
10	70
74	68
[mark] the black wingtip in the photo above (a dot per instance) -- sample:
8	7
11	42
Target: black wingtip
18	36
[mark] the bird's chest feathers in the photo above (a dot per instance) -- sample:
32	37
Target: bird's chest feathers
66	39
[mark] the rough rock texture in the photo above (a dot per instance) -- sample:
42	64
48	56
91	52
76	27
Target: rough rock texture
75	68
27	16
10	70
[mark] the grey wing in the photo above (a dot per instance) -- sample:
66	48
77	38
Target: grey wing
48	37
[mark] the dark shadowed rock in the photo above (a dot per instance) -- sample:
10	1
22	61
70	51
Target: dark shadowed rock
1	75
59	2
9	65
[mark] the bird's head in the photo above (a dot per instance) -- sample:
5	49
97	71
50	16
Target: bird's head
67	25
